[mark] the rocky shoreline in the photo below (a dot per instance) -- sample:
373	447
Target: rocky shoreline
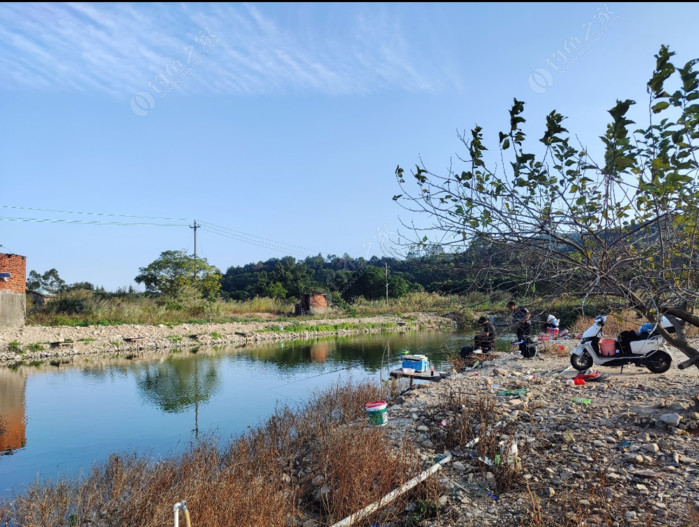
627	453
41	343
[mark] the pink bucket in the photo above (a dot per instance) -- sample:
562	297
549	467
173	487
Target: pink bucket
607	347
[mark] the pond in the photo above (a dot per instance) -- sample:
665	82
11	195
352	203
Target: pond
56	422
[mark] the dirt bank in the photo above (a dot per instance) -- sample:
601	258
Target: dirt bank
61	342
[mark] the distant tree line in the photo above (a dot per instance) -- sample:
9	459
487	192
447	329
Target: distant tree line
343	278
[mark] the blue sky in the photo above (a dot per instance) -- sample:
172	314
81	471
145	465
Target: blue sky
279	126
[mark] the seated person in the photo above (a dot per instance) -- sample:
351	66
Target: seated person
551	322
485	339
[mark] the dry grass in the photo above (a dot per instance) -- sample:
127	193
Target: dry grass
268	477
88	308
616	323
460	364
411	303
353	478
553	349
473	422
693	515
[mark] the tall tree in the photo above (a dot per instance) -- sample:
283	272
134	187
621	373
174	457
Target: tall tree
623	228
50	281
176	273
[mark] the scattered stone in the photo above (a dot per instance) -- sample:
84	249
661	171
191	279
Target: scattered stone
670	419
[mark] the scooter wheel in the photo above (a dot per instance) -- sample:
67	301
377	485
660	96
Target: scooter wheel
581	362
659	362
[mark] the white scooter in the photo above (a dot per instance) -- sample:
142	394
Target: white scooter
644	349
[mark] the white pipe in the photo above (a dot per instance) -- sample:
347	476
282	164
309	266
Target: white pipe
179	505
388	498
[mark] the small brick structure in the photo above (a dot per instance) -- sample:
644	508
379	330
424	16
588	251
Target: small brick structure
13	301
16	265
311	302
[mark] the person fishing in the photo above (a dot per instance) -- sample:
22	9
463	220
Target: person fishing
521	317
485	339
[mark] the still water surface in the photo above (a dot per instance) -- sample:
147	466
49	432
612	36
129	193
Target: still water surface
58	422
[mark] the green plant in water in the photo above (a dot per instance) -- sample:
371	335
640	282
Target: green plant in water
116	344
215	335
174	338
15	346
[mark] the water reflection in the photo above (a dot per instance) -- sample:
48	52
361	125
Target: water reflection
178	384
60	427
319	350
13	423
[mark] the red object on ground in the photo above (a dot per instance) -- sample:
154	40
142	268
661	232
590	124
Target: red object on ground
587	376
578	381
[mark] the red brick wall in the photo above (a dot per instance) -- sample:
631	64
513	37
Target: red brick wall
318	301
16	265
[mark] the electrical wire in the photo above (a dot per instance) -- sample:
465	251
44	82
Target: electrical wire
253	242
275	242
92	222
226	232
93	213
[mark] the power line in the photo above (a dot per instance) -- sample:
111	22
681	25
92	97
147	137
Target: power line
276	242
252	242
226	232
92	222
93	213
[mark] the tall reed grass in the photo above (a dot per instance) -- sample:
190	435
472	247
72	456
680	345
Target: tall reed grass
83	308
410	303
321	461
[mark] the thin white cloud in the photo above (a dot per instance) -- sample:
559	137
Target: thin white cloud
121	49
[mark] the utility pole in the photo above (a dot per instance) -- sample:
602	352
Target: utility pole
387	285
195	227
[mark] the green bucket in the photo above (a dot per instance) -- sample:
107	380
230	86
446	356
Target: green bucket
376	412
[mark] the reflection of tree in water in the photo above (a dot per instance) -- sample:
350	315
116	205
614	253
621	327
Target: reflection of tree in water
368	351
176	385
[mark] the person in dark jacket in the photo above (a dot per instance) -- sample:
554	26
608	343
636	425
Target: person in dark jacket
485	339
521	316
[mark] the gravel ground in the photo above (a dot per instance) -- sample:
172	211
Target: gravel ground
628	457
